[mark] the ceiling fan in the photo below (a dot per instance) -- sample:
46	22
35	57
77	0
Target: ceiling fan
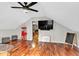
25	6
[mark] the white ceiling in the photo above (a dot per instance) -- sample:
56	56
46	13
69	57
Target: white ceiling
65	13
11	18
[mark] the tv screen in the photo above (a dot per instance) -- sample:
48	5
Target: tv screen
45	24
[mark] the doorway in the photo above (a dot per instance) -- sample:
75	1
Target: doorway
35	32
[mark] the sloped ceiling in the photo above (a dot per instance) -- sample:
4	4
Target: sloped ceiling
65	13
11	18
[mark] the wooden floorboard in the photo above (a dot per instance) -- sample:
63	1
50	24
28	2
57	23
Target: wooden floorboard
24	48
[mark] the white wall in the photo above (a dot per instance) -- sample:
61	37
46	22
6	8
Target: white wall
58	34
28	24
78	39
7	33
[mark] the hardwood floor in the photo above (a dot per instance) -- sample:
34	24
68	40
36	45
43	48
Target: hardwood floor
24	48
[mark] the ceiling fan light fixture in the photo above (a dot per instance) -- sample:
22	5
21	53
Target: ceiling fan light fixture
26	11
26	6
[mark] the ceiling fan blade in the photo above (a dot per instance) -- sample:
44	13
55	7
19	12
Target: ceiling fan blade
21	4
16	7
32	9
25	3
31	4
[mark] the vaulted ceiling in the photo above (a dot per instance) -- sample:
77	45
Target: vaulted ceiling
11	18
65	13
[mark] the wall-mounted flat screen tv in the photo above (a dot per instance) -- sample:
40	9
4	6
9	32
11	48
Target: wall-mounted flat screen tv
45	24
